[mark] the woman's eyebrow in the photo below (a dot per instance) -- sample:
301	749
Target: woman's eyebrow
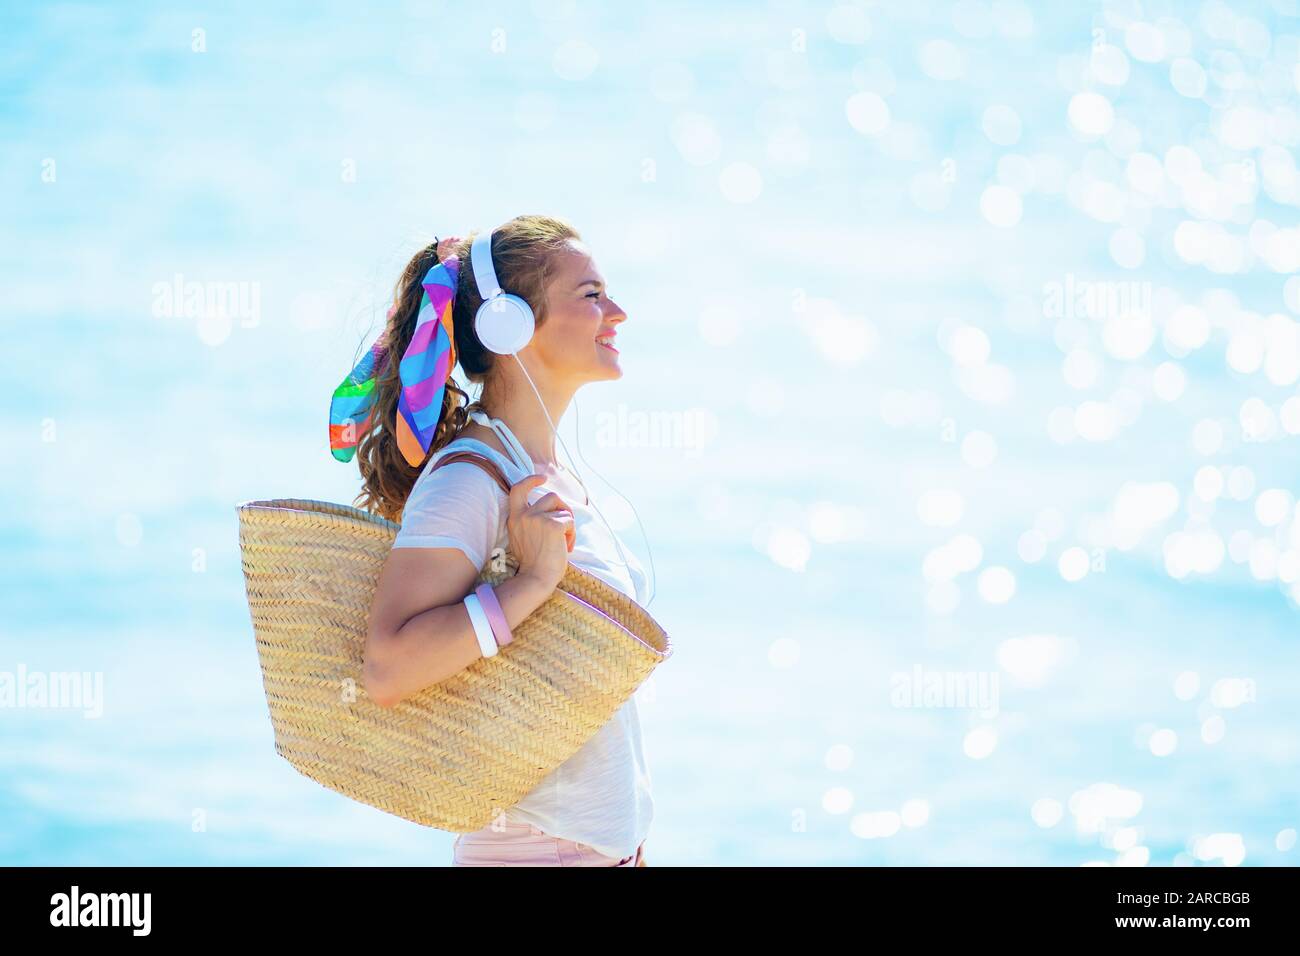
595	282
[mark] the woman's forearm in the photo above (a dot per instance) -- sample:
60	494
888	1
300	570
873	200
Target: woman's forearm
440	642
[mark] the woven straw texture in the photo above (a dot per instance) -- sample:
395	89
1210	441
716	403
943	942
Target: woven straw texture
457	754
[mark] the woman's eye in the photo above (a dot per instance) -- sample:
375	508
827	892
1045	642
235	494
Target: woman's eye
590	294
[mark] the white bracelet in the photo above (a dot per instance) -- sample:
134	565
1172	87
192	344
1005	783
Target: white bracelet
487	642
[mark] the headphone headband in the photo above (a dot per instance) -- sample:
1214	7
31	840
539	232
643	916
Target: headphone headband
480	260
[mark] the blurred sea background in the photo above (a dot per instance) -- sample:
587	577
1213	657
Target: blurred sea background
961	355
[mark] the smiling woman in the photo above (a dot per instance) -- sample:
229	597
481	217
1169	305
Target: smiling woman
428	622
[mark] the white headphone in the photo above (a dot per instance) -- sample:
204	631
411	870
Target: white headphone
504	323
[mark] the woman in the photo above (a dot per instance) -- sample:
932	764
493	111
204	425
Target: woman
595	808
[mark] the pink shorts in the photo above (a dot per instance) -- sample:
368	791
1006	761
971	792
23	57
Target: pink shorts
522	844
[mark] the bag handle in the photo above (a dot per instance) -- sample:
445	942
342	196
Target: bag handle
493	469
484	462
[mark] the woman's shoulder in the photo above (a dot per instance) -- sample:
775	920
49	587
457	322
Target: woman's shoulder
455	505
458	483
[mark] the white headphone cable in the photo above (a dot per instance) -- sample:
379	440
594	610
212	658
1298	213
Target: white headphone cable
612	534
577	437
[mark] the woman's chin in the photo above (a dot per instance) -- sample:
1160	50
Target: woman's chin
609	368
605	373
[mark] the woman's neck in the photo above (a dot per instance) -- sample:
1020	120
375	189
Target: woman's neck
517	406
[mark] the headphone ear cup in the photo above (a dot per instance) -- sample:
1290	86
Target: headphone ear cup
504	324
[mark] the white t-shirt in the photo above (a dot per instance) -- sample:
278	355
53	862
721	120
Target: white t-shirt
600	796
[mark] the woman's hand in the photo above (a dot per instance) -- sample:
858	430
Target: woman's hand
541	534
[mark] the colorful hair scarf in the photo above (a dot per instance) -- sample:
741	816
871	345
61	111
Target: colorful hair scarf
426	364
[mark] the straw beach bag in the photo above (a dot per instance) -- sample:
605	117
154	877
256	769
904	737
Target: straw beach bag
458	753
